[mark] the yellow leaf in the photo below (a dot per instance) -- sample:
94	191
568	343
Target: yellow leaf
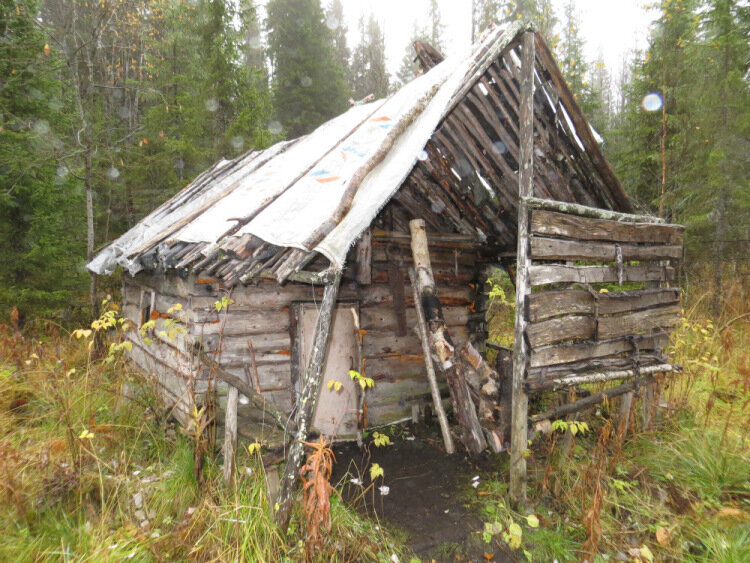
646	553
254	447
662	535
532	521
337	386
376	471
46	50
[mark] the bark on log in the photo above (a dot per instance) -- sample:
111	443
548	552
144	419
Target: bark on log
587	211
441	344
307	402
519	432
570	381
437	402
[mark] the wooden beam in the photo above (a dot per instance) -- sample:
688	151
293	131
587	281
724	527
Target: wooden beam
572	380
582	127
546	248
588	211
437	402
566	353
307	401
364	258
519	415
557	273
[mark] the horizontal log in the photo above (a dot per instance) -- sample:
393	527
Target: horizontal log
544	248
436	240
554	224
546	304
609	363
584	327
587	402
563	354
556	273
586	211
582	379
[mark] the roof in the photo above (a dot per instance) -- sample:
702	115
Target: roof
448	137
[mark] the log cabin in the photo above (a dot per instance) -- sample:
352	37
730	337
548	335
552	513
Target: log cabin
296	265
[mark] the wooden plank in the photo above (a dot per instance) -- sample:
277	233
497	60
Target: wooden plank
364	258
545	248
639	322
554	224
547	304
570	327
563	354
520	401
556	273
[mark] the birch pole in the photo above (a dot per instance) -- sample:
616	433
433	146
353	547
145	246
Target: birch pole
520	405
307	401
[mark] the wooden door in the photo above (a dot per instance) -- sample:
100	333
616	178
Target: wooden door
336	412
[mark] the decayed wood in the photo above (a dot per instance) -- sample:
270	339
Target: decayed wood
546	304
593	212
364	258
626	405
554	224
572	380
437	402
441	343
556	273
307	401
601	364
583	129
244	388
563	354
230	432
586	402
587	327
545	248
519	431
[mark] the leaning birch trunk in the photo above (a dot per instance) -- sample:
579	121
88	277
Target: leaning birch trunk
230	434
436	401
307	401
441	344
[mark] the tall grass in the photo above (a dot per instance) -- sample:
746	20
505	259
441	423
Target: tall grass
88	473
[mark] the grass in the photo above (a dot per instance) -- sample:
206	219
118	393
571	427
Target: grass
90	475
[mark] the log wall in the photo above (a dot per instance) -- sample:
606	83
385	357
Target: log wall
261	315
576	325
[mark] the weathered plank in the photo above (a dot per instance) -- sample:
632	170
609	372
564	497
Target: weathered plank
607	363
364	258
587	211
639	322
547	304
551	223
557	273
570	327
562	354
545	248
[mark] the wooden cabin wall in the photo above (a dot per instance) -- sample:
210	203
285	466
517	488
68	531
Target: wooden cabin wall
261	315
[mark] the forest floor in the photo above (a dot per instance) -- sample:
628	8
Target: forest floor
88	475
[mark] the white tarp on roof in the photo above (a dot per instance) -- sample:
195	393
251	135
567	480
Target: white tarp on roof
304	180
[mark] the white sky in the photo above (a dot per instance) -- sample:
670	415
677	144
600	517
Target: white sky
611	28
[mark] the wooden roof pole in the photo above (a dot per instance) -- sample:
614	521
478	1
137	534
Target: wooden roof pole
307	401
520	404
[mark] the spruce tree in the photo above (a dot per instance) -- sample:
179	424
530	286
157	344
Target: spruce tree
42	227
341	51
308	83
369	74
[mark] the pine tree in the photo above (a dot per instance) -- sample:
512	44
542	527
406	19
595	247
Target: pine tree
484	13
369	73
308	83
42	229
436	27
539	12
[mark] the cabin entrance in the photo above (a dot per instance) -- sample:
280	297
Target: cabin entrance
336	412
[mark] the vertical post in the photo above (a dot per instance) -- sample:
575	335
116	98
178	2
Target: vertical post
230	434
519	415
307	401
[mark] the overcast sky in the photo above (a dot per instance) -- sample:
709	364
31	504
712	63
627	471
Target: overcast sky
611	28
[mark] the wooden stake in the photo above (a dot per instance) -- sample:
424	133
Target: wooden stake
519	415
230	434
307	401
436	401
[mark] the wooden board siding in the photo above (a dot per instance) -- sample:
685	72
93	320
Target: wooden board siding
576	326
261	314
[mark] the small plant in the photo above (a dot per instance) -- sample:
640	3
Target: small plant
380	440
317	489
575	426
364	381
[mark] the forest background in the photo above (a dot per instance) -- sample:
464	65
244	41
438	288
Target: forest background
111	106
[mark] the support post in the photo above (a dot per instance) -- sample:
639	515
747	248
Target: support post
230	434
626	404
307	401
441	344
431	377
519	415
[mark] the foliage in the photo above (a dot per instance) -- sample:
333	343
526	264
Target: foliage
308	81
368	71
